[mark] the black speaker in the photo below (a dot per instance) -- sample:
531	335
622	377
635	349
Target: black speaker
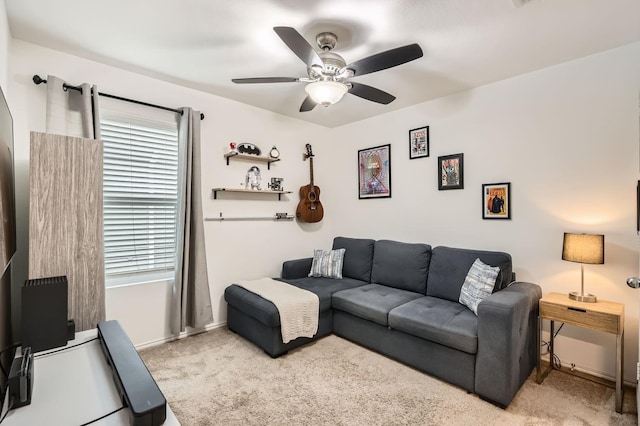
44	313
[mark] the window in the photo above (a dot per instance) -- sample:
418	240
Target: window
140	192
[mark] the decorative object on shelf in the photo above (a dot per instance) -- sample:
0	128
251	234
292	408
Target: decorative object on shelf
249	148
374	172
274	153
232	147
450	172
253	179
276	184
419	142
583	248
496	200
309	208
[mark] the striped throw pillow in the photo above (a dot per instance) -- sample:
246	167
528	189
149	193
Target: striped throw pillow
327	263
479	283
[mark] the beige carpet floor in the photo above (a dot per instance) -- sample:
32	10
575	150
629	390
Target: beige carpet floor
219	378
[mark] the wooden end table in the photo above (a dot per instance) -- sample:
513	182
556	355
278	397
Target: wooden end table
602	315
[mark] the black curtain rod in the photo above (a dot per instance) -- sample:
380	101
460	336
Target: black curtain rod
38	80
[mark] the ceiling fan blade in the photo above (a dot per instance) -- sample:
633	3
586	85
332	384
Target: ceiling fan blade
298	45
307	105
371	93
387	59
265	80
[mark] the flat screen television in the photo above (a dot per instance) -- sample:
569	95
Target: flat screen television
7	237
7	197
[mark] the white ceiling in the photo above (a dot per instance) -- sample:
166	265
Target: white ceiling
203	44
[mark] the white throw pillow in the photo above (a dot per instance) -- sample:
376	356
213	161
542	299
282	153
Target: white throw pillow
479	283
327	263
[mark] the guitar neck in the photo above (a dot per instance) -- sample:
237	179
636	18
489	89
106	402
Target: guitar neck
311	170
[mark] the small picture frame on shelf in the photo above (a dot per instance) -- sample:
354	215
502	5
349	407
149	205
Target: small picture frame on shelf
419	142
451	172
496	200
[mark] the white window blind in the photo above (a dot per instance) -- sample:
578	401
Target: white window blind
140	194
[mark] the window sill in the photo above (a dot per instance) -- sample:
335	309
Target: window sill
139	279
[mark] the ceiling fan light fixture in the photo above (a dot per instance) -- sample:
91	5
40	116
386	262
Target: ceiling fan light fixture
326	92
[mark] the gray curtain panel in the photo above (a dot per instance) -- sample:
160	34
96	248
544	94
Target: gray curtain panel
191	301
72	112
65	231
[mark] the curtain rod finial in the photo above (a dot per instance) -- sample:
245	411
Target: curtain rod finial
37	79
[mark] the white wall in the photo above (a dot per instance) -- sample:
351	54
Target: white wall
566	138
235	250
5	37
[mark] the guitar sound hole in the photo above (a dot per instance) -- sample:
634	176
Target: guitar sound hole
312	197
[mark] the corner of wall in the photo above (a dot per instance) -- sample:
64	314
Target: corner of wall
5	37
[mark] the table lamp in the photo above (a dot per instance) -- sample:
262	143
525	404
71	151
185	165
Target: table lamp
583	248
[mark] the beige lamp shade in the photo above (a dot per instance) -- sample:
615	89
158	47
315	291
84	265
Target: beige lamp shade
583	248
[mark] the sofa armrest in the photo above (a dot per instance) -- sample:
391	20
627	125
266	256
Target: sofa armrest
296	268
507	341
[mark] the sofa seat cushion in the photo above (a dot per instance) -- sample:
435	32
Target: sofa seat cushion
324	287
266	312
372	302
442	321
401	265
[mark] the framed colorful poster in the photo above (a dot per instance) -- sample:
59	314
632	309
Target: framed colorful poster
419	142
451	172
374	172
496	200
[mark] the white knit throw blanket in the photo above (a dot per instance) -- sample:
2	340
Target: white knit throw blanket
298	308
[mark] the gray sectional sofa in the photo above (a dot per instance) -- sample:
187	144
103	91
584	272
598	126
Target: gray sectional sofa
401	299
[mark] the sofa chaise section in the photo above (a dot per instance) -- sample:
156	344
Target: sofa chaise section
258	320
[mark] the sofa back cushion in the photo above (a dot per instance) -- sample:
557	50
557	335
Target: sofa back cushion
449	268
358	257
401	265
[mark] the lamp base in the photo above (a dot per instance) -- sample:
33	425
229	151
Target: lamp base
589	298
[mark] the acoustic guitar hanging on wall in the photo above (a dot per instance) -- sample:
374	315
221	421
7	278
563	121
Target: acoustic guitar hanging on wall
309	208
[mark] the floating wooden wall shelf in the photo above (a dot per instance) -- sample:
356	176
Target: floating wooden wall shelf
250	157
248	191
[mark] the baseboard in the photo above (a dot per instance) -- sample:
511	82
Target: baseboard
182	335
590	375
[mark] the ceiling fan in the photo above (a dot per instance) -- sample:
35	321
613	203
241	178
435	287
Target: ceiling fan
329	74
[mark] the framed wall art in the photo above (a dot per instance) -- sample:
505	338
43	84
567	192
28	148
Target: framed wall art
419	142
496	200
451	172
374	172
